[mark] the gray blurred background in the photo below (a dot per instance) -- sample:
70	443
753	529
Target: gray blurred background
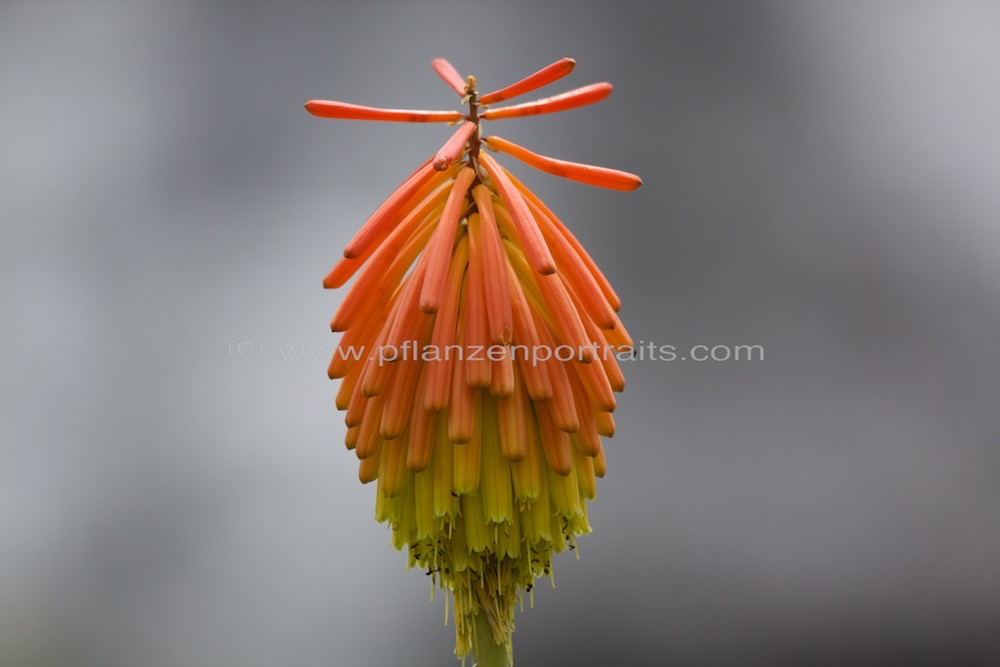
821	178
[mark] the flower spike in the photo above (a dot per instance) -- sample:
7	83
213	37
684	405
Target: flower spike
475	377
447	71
585	173
595	92
542	77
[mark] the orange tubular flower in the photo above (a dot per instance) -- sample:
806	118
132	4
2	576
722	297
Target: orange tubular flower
478	361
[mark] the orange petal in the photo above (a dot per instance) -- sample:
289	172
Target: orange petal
562	407
531	239
542	77
352	348
502	376
447	71
569	328
382	276
439	367
331	109
368	469
584	173
453	148
416	208
421	431
579	97
586	438
369	437
514	414
461	409
555	442
399	398
478	367
346	389
393	475
618	337
595	382
600	464
468	455
358	403
440	248
498	304
381	219
602	350
584	467
609	292
409	321
538	384
605	422
351	437
573	269
376	374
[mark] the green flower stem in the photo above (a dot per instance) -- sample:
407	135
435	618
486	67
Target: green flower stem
485	652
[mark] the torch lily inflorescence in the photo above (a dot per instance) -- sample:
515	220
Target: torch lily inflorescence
490	364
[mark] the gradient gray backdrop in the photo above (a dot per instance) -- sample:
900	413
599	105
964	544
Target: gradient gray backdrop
821	178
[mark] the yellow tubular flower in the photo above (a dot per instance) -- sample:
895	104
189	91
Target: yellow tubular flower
477	361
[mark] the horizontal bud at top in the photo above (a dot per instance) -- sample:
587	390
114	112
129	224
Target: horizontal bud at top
569	100
447	71
542	77
584	173
331	109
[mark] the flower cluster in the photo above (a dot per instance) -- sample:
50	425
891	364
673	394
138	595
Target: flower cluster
484	465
